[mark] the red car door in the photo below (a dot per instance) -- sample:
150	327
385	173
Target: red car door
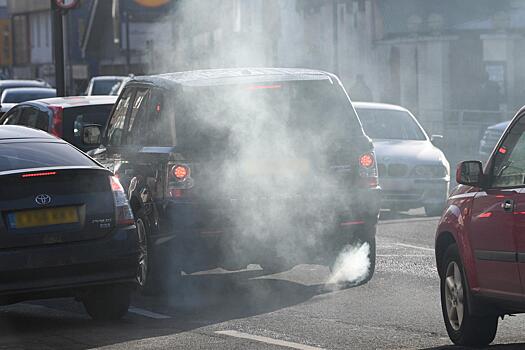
519	216
497	231
491	236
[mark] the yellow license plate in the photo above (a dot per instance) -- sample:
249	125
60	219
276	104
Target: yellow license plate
44	217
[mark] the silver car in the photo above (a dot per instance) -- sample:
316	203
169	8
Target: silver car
413	173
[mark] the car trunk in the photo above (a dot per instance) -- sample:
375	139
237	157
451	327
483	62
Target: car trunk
54	206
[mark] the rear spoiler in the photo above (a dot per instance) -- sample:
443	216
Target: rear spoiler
50	170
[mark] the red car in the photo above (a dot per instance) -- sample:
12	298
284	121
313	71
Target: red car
480	242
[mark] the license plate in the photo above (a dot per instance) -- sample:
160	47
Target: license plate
43	217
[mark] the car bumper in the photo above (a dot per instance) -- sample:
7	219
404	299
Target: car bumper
63	268
413	193
205	238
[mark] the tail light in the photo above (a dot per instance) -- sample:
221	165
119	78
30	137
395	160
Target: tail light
56	121
368	169
179	180
124	215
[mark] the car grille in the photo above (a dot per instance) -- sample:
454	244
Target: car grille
392	170
402	196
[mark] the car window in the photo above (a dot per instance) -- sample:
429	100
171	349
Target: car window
75	118
103	87
139	105
27	155
34	118
509	164
387	124
116	126
13	117
18	96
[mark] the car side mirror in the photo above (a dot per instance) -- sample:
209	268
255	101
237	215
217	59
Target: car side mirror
437	140
469	173
91	134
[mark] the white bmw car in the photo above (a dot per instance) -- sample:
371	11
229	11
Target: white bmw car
413	172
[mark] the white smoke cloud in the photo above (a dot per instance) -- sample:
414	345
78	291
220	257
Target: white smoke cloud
351	266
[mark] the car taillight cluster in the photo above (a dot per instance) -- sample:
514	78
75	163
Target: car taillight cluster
368	169
179	180
124	215
56	121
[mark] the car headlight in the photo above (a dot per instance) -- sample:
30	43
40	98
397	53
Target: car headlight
430	171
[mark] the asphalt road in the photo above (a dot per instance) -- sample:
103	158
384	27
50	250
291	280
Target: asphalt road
398	309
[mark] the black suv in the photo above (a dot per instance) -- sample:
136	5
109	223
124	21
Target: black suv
237	166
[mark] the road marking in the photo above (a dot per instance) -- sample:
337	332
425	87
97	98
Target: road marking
406	220
267	340
415	247
403	255
147	313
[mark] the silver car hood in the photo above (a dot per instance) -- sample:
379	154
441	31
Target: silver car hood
408	152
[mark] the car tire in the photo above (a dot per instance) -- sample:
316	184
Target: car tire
434	209
161	277
365	235
273	267
463	328
107	303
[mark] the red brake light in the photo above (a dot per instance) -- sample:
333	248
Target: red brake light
56	121
180	172
367	160
502	150
124	215
47	173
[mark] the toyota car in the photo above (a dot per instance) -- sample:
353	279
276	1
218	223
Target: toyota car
66	228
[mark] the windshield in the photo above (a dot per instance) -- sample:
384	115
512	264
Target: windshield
387	124
28	155
307	113
104	86
27	95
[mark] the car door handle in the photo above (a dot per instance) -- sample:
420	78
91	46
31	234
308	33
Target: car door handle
508	205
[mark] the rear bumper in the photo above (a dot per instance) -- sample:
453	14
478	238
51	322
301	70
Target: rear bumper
203	239
63	269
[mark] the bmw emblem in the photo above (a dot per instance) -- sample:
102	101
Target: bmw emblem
43	199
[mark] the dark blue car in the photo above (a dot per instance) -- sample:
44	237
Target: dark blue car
66	228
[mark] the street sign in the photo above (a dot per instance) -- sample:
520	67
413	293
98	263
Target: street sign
66	4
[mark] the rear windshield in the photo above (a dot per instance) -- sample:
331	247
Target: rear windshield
23	96
103	87
77	117
384	124
303	114
28	155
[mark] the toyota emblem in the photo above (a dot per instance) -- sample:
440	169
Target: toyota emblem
43	199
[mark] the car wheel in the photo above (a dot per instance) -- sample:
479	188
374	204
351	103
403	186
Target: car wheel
107	303
272	267
463	328
365	235
433	210
157	274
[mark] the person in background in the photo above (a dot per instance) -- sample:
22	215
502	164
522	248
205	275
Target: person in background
360	90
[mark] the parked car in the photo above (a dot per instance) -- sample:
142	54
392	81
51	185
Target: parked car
10	84
480	246
413	172
117	88
70	118
491	138
103	85
206	196
12	96
66	227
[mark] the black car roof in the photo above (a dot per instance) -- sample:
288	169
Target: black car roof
233	76
12	132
